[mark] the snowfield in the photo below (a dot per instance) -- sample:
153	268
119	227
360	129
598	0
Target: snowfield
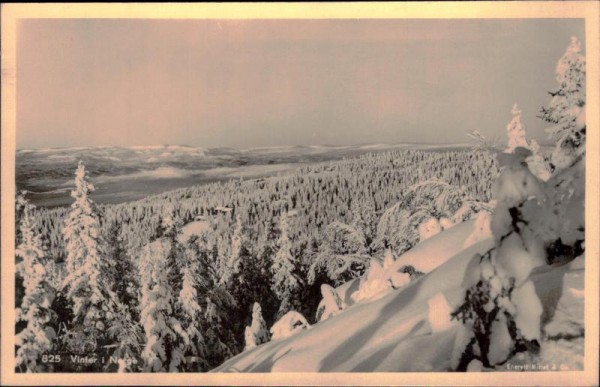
409	329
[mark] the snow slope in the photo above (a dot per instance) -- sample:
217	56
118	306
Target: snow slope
409	329
392	333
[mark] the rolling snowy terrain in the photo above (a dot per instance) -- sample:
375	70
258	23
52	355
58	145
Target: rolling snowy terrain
129	173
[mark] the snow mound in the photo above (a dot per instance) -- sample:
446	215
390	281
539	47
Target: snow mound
290	324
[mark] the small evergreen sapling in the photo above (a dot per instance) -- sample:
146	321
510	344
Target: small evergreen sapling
515	131
257	333
330	305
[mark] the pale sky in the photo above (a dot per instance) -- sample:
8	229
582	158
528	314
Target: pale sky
247	83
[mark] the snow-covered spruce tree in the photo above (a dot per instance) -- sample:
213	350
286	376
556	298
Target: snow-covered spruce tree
343	255
501	312
220	341
257	333
193	281
37	337
232	265
127	281
165	336
126	329
204	307
90	273
515	131
517	138
566	106
169	232
174	278
285	280
364	219
128	336
535	223
170	224
398	227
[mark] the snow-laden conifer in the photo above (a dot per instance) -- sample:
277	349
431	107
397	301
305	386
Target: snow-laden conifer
534	223
90	274
188	302
232	265
364	219
170	224
515	131
285	280
257	333
217	335
517	138
37	337
491	304
398	227
566	109
165	336
343	254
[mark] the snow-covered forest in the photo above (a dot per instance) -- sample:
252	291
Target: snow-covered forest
408	260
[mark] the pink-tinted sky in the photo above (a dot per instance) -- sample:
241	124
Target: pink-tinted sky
245	83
